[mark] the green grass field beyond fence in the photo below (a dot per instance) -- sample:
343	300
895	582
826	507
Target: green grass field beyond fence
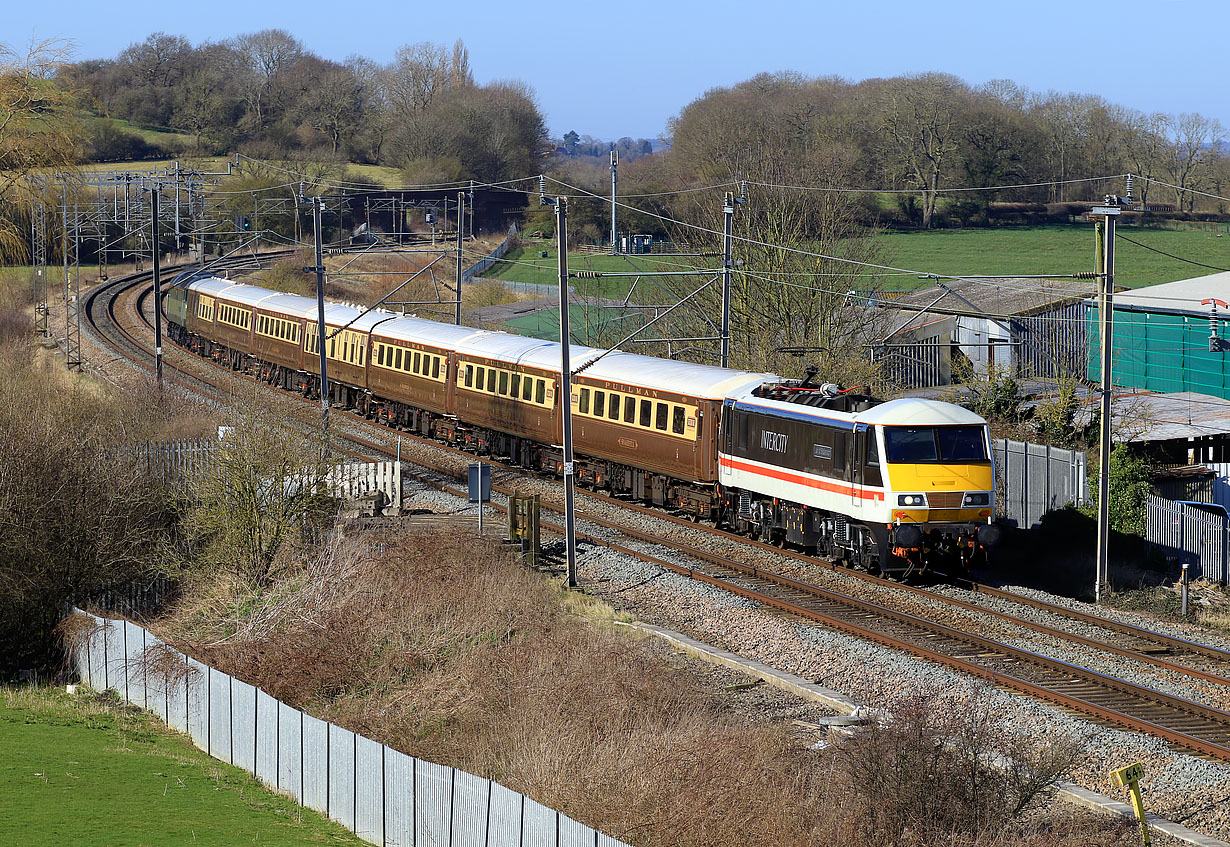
1055	250
83	770
1006	251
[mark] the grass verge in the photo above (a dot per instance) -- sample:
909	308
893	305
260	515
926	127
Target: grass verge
89	770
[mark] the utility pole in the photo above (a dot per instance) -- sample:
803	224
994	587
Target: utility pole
178	246
1108	215
565	399
614	163
156	261
460	208
320	317
728	218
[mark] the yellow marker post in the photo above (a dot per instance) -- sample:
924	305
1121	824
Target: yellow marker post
1131	776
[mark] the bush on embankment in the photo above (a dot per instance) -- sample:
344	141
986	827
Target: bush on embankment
445	649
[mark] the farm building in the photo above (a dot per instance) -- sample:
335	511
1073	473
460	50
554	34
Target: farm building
1023	327
1161	339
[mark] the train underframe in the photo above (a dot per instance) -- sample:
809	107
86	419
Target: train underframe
950	548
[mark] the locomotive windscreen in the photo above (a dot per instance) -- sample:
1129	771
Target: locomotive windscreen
916	444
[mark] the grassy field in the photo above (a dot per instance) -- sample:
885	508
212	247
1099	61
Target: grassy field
85	770
1055	250
1003	251
526	265
154	135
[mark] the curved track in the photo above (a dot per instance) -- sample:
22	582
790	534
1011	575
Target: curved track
1182	722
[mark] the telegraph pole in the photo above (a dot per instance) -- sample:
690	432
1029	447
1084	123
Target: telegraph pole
614	163
565	400
320	317
728	216
1108	215
156	261
460	209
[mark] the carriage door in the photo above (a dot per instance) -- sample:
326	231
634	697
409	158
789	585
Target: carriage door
725	438
857	449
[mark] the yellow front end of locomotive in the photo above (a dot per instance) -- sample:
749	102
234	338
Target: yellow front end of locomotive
919	493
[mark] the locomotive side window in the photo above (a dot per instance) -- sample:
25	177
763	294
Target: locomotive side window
677	420
629	409
600	404
839	453
873	450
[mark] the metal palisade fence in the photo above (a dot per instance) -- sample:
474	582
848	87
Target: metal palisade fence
1187	532
1033	479
383	796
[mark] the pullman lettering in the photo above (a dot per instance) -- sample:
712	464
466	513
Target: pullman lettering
775	441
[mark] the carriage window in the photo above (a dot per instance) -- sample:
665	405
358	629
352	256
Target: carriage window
515	392
646	413
491	380
629	409
414	368
540	395
677	420
435	367
469	376
527	389
613	408
481	380
661	421
398	364
504	382
583	405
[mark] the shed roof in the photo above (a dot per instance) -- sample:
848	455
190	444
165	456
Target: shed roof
1016	297
1183	296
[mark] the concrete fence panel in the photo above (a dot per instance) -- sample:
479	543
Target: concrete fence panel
471	809
267	735
574	833
290	750
243	725
433	803
504	817
341	776
220	742
96	658
315	764
369	789
177	694
539	825
134	643
115	668
197	685
399	793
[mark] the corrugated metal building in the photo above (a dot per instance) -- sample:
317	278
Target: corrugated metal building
1161	337
1023	327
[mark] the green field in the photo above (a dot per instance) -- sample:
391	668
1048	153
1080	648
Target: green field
524	264
84	770
1056	250
155	135
1006	251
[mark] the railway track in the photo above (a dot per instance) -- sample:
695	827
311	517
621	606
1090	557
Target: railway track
1181	722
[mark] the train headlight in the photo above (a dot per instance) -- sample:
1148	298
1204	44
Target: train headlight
911	500
982	499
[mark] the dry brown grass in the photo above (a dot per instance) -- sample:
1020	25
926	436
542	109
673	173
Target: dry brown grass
446	650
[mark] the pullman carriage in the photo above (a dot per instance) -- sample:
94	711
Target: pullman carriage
409	369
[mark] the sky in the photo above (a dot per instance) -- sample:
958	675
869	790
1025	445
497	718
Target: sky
624	69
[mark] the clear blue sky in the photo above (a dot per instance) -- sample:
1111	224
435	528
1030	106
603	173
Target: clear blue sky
616	69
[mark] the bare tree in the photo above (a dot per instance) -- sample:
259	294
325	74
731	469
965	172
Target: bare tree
265	54
1193	143
459	75
919	132
418	74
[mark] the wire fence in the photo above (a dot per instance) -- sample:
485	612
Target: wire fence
383	796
